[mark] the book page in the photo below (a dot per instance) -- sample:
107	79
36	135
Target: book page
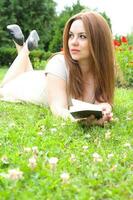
80	105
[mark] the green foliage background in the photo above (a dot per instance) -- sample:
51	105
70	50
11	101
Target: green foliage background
40	15
29	15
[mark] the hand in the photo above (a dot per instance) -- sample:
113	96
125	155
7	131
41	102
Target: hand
107	116
107	111
91	120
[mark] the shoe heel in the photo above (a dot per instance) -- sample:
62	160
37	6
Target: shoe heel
32	41
16	33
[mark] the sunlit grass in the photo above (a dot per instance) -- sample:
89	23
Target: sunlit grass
88	163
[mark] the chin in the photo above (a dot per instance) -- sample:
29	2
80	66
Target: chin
75	58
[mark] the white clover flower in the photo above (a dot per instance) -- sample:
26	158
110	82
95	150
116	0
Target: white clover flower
35	150
53	162
32	163
97	157
11	125
124	155
129	113
65	177
110	155
127	145
72	158
113	168
108	135
53	130
95	175
63	124
97	142
15	174
40	133
4	160
27	149
128	118
42	128
131	166
85	147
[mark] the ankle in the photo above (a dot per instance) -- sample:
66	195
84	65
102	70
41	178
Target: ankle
25	49
18	47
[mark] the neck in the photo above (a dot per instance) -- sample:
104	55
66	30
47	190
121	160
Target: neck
87	78
84	67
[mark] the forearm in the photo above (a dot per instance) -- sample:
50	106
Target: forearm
61	111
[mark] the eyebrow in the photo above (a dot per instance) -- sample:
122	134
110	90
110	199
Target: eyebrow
78	33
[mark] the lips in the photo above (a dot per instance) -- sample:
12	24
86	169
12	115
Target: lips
74	50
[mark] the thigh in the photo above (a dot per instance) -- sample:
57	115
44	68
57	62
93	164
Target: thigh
29	86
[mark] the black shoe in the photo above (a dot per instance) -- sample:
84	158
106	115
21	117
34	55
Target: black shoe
32	41
16	34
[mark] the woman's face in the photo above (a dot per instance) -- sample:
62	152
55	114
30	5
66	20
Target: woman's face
78	42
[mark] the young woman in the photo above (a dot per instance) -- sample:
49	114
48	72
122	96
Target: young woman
83	71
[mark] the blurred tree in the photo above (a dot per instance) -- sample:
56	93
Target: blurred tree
130	39
107	19
6	9
40	15
56	42
29	15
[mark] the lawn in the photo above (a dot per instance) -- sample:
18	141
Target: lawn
44	157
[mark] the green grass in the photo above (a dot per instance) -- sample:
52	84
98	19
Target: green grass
26	125
2	72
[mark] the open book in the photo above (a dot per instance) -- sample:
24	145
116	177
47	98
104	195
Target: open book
84	110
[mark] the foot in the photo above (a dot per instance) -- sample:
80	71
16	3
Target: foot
16	34
32	41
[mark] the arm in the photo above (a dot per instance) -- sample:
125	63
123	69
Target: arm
57	96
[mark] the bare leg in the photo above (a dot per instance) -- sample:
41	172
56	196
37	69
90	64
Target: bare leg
22	62
18	47
20	65
29	67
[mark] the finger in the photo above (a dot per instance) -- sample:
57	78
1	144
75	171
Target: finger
91	117
109	116
99	122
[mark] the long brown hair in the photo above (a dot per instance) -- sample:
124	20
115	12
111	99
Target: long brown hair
101	60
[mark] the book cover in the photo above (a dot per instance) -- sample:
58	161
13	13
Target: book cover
86	113
85	110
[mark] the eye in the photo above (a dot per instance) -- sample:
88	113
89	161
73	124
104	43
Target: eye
82	36
70	35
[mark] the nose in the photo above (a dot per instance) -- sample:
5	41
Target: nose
74	41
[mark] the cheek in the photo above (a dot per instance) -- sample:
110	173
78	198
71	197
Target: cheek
68	43
86	52
86	48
